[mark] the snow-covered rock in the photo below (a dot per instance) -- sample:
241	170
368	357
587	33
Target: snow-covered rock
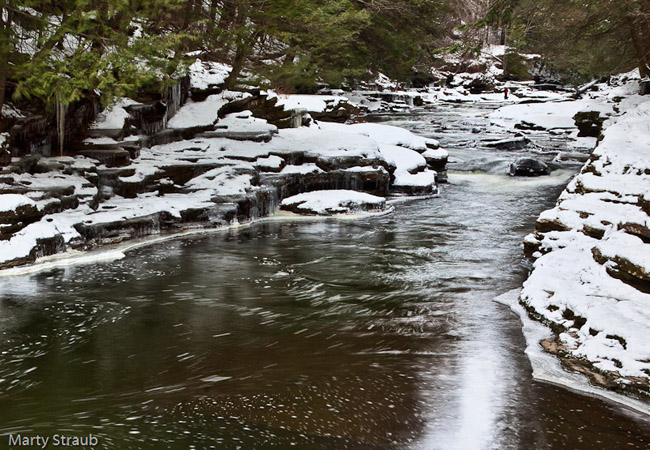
591	279
333	202
114	116
206	74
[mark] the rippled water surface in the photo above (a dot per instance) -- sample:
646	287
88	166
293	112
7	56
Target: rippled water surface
379	333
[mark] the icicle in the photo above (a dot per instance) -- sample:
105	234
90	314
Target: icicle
61	110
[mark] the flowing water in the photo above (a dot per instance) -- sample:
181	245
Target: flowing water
379	333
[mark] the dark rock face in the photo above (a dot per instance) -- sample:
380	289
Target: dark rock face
15	220
261	106
37	134
113	156
589	123
147	119
527	167
341	114
5	157
480	85
644	88
374	182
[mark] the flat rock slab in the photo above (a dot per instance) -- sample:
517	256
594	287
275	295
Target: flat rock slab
327	203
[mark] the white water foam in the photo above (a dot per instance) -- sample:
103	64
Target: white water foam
547	368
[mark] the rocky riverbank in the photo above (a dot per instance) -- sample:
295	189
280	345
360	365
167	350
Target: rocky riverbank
591	278
210	164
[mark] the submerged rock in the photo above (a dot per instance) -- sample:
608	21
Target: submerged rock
528	167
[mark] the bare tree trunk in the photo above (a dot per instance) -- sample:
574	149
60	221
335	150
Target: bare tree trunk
640	33
243	51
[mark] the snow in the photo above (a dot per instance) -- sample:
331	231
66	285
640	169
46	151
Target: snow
546	367
223	181
605	196
246	123
9	202
206	74
113	117
201	114
385	134
334	201
312	103
407	162
272	162
438	154
8	111
302	169
549	115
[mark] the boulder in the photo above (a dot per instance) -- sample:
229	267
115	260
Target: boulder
515	143
5	157
528	167
261	107
589	123
332	202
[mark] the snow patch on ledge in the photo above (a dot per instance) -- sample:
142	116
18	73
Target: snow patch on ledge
333	202
547	368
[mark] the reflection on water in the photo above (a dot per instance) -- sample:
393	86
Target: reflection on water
379	333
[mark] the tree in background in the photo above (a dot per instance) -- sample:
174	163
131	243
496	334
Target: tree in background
586	38
59	52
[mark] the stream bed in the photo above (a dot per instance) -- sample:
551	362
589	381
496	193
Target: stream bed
378	333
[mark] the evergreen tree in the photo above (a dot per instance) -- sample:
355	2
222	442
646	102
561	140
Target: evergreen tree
586	38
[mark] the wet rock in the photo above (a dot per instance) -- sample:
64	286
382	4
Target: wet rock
372	180
121	229
112	156
254	136
528	167
342	112
589	123
523	125
262	107
5	157
515	143
147	119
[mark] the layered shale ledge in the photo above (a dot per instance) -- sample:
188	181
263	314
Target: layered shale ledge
591	278
142	171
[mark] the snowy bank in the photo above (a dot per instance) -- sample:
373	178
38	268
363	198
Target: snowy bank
591	277
204	175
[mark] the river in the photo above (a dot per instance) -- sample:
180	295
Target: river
378	333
